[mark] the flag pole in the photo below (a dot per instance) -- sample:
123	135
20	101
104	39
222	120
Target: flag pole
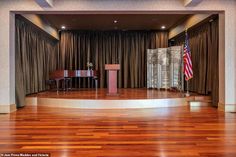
187	94
182	64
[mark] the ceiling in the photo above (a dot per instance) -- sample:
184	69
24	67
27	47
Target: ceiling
106	21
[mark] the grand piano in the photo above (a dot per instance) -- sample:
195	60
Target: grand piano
67	75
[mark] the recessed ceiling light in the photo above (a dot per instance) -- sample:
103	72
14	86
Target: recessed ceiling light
163	27
115	21
63	27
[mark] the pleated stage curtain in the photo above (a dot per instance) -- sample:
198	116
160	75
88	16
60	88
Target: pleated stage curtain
35	57
204	41
128	48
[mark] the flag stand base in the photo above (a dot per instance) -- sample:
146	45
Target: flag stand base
187	94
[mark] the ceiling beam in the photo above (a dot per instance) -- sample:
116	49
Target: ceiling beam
191	3
40	23
191	21
45	3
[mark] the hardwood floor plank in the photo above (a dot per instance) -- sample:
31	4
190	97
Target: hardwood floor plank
61	147
169	132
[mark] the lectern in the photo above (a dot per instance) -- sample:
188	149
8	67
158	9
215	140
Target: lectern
112	78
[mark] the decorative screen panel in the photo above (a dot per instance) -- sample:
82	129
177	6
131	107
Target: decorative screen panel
152	69
175	66
164	68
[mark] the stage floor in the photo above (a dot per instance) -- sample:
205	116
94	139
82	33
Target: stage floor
127	98
124	93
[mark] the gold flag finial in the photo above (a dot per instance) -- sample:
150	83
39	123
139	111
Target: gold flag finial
186	31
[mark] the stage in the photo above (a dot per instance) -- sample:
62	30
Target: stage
127	98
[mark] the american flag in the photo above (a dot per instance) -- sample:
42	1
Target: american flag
188	70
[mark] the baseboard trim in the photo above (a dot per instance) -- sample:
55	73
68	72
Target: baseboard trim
227	107
7	108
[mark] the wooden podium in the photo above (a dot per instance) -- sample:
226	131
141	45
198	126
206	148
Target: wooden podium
112	78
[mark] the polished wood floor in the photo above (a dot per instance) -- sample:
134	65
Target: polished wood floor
124	93
164	132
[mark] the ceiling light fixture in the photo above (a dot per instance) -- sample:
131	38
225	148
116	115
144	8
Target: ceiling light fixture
63	27
115	21
163	27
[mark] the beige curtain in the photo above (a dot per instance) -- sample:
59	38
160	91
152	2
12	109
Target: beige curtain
35	57
128	48
203	42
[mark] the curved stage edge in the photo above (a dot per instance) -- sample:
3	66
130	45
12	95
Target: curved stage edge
127	99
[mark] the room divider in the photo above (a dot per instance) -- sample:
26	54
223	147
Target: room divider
164	68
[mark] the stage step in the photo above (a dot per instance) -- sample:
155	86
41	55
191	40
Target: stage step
203	98
200	101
